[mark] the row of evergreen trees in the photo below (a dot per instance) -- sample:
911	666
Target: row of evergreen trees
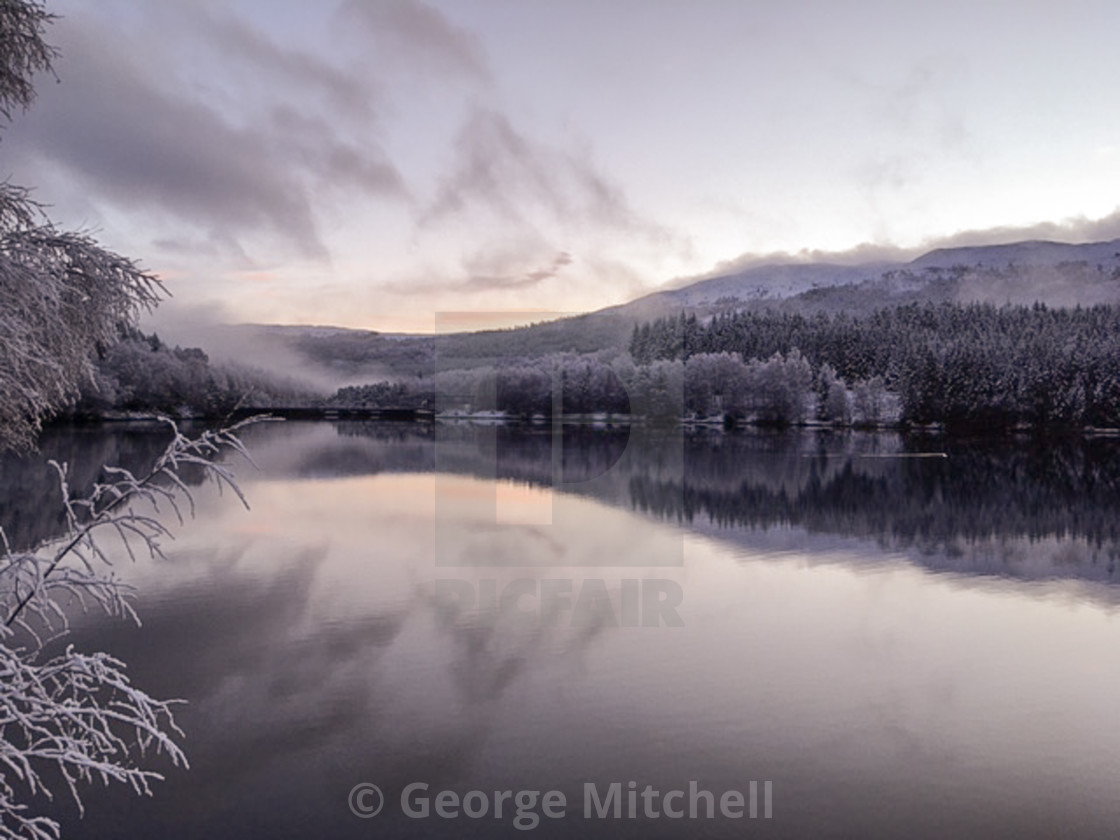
975	364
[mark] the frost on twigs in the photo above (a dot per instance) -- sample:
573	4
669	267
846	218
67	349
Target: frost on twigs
25	52
72	716
62	297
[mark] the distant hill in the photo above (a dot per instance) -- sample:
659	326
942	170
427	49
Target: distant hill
1055	273
335	356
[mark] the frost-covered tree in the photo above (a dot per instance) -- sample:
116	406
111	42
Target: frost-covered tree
870	401
832	396
715	384
657	390
779	388
24	53
68	718
62	296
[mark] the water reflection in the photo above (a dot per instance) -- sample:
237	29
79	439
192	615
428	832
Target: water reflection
318	647
1019	509
30	498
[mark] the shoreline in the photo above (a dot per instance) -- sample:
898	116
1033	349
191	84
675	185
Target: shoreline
597	421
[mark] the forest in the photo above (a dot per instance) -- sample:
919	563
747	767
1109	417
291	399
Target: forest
974	365
140	374
970	367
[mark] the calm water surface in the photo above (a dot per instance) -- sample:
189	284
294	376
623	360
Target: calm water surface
902	646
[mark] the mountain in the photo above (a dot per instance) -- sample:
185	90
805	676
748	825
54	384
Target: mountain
335	356
771	282
1031	253
1055	273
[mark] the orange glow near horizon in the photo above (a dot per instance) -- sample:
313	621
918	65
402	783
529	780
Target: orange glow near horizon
497	319
432	324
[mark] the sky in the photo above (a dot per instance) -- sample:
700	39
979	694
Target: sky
400	164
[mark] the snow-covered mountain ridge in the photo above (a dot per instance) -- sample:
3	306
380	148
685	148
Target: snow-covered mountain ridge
1056	273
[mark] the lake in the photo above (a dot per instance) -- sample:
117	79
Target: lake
849	634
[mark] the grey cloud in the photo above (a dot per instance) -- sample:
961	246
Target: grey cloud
488	270
419	36
215	245
532	190
503	171
1077	230
337	163
523	280
866	252
349	164
216	174
349	94
110	125
113	125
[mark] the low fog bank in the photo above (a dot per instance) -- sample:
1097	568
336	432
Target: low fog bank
240	346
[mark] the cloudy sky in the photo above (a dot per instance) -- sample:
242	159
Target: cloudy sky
372	163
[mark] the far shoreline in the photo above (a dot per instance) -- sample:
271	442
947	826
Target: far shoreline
1021	431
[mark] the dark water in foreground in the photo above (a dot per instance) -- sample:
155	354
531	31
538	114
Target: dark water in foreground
901	646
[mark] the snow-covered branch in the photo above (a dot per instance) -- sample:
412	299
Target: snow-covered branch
76	713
